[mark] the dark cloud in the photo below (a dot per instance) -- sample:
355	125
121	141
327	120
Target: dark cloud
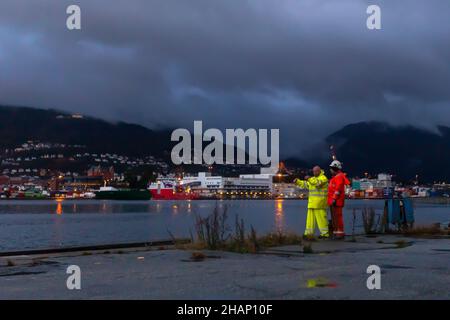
307	67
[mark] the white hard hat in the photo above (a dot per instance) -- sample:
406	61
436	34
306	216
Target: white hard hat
336	164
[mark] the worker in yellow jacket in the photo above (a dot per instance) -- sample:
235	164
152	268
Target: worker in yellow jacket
317	202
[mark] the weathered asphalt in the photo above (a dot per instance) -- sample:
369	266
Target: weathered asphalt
335	270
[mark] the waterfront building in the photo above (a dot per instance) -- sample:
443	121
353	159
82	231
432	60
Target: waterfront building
371	188
244	186
288	190
247	186
107	173
203	180
383	181
84	182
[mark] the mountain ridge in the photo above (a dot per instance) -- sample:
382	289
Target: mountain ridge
404	151
19	124
372	146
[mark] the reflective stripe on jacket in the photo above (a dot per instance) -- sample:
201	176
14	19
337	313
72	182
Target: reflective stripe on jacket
318	188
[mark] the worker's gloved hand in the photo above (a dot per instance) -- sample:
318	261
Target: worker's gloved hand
295	180
307	177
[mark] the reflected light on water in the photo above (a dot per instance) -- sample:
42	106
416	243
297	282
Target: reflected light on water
279	215
189	206
59	209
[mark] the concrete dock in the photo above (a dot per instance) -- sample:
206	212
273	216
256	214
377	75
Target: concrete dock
411	268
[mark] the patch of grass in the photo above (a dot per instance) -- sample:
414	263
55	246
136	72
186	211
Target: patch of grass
249	243
279	238
371	221
183	244
213	230
430	230
197	245
198	256
402	244
86	253
213	233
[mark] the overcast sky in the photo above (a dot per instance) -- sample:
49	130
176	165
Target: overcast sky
307	67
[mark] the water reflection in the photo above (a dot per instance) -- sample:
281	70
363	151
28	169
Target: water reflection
158	207
279	215
59	208
104	207
57	236
189	206
48	223
175	209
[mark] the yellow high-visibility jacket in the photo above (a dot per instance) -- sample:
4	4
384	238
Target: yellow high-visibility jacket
318	191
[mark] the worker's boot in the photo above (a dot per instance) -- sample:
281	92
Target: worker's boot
309	237
339	236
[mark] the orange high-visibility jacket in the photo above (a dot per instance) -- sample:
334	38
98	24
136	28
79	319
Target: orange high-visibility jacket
336	189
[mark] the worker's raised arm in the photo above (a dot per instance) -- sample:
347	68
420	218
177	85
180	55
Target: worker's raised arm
301	183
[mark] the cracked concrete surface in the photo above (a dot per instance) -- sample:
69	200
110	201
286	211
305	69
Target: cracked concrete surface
417	271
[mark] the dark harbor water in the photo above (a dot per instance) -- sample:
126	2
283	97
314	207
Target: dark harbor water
49	224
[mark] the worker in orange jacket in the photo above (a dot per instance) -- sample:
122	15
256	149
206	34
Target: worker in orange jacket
336	198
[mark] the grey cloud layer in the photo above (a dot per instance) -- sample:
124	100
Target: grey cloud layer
304	66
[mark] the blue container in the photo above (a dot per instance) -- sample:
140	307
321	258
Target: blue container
356	185
400	211
409	210
394	211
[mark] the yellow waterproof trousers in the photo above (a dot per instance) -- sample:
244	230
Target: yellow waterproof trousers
319	215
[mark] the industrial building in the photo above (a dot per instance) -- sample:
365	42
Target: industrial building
372	188
244	186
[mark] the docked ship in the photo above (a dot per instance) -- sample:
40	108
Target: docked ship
111	193
170	189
